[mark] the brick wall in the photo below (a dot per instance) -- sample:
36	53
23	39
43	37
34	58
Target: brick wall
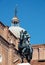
36	62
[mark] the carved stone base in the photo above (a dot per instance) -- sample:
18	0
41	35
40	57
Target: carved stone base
24	64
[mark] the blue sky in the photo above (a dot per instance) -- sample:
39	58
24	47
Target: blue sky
31	14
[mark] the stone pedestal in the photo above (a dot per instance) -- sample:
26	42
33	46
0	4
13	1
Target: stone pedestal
23	64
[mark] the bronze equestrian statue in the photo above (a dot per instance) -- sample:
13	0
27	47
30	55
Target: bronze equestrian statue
24	47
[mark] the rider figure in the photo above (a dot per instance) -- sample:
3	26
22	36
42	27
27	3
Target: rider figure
24	46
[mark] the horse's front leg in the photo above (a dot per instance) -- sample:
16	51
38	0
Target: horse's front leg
22	59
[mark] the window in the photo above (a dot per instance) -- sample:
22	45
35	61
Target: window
0	58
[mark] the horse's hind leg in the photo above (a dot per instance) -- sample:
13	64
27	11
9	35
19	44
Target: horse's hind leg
22	59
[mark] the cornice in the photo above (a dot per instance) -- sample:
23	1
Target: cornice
5	42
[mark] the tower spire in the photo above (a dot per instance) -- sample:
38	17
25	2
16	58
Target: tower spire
16	11
15	19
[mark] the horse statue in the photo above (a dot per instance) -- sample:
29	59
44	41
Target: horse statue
24	46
